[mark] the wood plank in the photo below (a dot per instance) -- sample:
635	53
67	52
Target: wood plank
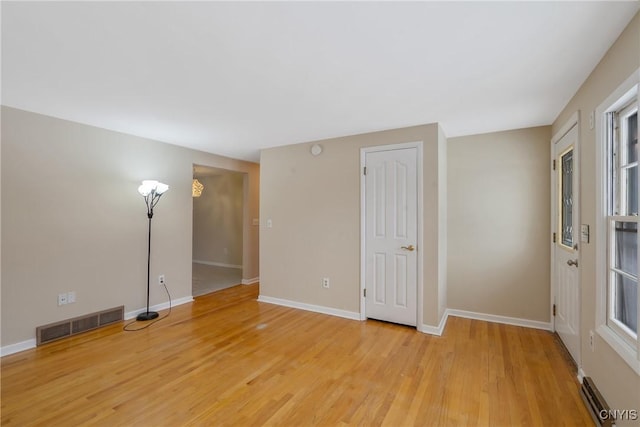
227	359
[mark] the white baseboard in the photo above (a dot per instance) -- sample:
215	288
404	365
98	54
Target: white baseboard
158	307
31	343
581	375
250	281
310	307
427	329
514	321
217	264
435	330
500	319
17	347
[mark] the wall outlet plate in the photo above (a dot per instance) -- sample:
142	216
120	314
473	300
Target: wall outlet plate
62	298
161	280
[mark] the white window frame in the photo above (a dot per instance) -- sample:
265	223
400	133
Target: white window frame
609	329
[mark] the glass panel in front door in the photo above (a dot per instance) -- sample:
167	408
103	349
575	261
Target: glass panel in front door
566	198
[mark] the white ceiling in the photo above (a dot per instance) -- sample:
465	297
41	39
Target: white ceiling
233	78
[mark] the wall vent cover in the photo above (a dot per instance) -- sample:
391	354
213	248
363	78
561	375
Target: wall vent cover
76	325
596	404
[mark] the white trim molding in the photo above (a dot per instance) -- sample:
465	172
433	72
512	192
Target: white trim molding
310	307
250	281
435	330
494	318
581	375
158	307
573	120
217	264
621	347
17	347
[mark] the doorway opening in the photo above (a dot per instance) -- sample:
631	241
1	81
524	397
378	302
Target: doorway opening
218	217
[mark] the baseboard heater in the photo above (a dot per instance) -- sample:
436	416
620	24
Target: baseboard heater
597	406
77	325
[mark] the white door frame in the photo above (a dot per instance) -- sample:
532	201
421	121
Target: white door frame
363	152
574	120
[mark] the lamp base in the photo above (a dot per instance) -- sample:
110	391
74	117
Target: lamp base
147	315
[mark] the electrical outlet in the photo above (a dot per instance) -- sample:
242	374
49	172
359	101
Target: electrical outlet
591	341
62	299
325	282
71	297
161	281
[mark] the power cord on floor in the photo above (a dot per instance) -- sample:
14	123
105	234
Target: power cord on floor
126	327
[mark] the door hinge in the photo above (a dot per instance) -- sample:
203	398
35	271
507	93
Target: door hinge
365	292
365	170
554	309
554	237
554	164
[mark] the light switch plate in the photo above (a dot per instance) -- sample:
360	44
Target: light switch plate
584	233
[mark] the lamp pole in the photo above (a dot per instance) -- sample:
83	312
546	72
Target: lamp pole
151	190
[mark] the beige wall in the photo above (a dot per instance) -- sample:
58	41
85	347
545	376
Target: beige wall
218	219
499	201
72	219
314	204
618	383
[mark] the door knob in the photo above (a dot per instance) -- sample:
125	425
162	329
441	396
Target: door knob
409	248
572	262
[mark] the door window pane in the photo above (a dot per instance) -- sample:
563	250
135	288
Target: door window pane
566	205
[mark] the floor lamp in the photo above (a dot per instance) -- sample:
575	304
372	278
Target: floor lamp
151	191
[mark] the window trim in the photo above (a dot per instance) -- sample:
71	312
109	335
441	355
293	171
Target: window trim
614	102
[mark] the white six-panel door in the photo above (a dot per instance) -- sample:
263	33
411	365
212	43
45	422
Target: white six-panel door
391	235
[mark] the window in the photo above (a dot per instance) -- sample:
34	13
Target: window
617	225
622	218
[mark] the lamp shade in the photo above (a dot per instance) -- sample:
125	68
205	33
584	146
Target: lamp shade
161	188
152	187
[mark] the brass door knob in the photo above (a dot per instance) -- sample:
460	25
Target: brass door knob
408	248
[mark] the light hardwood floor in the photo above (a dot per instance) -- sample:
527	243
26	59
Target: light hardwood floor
227	359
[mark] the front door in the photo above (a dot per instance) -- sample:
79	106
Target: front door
567	277
391	235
